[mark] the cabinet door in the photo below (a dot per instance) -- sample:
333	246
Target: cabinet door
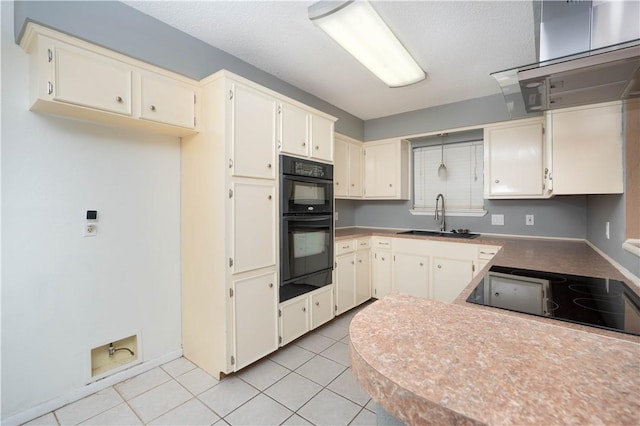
253	133
294	319
514	160
321	306
341	169
381	273
255	318
321	138
253	243
381	164
91	80
450	277
345	283
411	274
363	276
167	100
294	130
587	150
355	170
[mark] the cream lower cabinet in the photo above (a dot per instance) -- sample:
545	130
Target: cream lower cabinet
255	318
380	266
304	313
587	149
387	170
352	274
450	277
514	160
411	274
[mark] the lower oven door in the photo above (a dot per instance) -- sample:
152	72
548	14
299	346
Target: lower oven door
306	247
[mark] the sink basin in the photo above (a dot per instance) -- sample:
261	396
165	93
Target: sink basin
439	234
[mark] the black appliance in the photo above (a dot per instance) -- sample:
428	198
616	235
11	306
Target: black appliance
597	302
306	226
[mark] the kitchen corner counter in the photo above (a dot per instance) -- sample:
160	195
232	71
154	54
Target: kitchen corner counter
425	361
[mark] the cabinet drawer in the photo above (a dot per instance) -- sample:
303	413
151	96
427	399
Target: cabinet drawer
363	244
346	246
381	243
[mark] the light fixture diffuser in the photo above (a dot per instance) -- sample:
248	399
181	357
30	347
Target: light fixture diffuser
357	27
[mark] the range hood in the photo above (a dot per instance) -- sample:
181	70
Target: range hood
595	75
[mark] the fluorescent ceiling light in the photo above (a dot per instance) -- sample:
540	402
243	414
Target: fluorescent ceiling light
357	27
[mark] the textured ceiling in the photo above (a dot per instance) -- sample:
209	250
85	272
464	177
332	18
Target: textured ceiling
458	43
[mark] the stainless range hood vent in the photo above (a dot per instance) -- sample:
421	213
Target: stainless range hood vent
601	74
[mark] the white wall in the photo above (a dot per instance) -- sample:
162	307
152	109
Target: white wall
63	294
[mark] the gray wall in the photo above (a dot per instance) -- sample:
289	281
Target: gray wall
478	111
346	210
123	29
557	217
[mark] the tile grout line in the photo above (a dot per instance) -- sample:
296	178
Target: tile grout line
126	401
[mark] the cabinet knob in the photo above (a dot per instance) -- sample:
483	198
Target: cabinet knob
317	147
119	99
317	303
269	166
304	144
359	260
439	266
304	309
382	258
352	262
337	183
497	180
421	263
269	197
270	285
353	184
153	107
390	185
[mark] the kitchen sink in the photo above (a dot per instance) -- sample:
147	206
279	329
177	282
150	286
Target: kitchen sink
466	235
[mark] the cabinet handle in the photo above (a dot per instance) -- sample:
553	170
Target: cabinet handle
270	285
153	107
439	266
304	309
497	180
317	303
345	247
49	87
119	99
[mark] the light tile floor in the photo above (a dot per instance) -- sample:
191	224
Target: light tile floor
308	382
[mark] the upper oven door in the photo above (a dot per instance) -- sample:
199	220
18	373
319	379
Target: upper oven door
306	195
306	245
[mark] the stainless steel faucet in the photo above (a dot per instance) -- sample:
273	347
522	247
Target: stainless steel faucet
436	217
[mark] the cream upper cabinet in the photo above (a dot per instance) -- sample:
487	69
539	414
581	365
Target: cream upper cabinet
450	277
294	130
387	170
166	100
74	78
253	218
321	138
255	318
587	149
254	132
514	156
91	80
304	133
348	170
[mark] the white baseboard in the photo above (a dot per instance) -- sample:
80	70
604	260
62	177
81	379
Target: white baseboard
91	388
624	271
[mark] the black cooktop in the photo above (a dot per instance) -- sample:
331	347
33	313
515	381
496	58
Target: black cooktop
596	302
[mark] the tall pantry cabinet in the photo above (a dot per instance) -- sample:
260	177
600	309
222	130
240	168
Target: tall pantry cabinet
229	228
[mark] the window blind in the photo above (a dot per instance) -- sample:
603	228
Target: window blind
462	186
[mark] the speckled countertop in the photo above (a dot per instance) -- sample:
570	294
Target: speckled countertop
426	361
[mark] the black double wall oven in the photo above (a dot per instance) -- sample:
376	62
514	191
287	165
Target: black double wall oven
306	226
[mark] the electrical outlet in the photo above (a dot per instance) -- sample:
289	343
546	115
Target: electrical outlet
89	230
497	219
529	220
